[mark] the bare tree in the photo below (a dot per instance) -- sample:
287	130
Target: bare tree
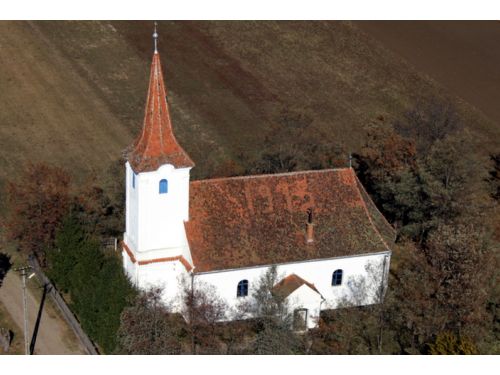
429	122
148	326
274	318
204	310
358	324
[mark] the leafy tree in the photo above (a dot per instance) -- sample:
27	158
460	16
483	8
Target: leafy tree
100	293
453	176
413	314
442	280
37	204
70	245
384	156
96	283
415	192
149	327
405	199
443	287
462	260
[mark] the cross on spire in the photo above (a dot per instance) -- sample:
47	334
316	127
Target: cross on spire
155	37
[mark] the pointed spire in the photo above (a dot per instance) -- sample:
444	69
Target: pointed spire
156	145
155	38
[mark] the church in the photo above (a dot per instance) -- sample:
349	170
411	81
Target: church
319	228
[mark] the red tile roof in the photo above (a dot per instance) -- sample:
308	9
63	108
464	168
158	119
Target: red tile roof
156	145
290	284
129	252
259	220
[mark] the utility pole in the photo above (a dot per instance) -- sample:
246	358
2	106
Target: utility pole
24	272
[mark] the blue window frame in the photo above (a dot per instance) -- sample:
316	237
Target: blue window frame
242	290
337	277
133	180
163	186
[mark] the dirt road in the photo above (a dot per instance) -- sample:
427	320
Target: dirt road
54	336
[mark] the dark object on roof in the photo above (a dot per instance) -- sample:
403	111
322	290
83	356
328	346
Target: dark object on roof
260	220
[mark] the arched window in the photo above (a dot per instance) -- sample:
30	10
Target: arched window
163	186
133	180
337	277
242	290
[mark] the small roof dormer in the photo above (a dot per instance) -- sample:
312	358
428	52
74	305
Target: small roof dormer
157	145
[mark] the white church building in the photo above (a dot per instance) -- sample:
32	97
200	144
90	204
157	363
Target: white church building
319	227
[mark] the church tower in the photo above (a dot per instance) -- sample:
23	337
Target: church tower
157	192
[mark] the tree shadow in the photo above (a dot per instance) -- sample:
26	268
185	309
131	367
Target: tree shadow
38	319
5	266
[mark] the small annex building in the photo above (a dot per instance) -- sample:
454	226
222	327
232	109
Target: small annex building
320	228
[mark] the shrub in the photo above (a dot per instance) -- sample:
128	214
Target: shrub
98	288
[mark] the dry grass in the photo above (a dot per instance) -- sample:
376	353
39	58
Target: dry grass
78	101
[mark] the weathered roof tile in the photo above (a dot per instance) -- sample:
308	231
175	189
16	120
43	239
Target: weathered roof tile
259	220
156	145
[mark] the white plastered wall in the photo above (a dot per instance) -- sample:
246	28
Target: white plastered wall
356	273
154	221
306	298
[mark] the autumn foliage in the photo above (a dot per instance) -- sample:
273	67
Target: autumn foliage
37	202
428	182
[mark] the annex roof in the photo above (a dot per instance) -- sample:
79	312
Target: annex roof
260	220
156	145
290	284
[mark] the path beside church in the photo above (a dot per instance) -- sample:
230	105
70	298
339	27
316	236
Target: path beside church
54	335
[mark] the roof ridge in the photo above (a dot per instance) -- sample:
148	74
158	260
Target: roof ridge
300	280
265	175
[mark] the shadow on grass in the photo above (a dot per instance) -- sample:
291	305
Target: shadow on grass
5	266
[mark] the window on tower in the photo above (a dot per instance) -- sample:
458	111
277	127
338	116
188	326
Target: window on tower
133	180
163	186
242	290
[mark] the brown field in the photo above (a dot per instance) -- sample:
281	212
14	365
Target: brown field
72	93
462	56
